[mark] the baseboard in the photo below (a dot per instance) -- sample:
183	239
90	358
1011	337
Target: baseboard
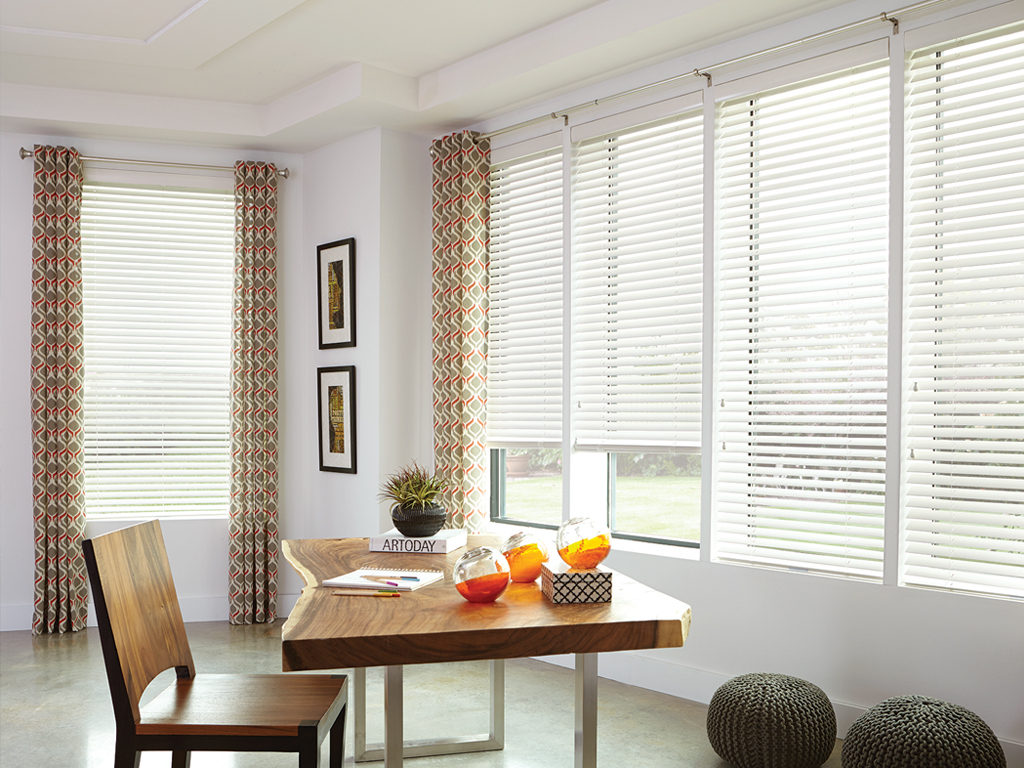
201	608
646	670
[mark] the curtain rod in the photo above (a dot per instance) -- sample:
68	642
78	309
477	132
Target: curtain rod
27	153
705	72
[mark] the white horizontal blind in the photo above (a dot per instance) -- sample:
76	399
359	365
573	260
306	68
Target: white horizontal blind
964	317
157	280
524	376
803	246
637	241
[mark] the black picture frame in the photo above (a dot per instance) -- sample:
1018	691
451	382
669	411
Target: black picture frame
336	406
336	293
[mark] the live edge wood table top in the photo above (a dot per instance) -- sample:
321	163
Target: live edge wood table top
435	624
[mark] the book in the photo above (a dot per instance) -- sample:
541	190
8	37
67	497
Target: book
397	579
442	542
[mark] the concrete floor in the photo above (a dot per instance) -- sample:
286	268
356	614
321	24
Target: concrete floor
56	708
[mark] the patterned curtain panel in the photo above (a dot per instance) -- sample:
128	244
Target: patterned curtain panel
61	596
253	545
461	213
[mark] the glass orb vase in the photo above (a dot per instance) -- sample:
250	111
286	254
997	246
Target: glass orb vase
525	552
583	543
481	575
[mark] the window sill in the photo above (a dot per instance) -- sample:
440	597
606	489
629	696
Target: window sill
649	548
654	549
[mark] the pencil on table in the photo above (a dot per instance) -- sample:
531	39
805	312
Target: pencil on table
383	580
365	593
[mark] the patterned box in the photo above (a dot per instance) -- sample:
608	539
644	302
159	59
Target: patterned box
562	584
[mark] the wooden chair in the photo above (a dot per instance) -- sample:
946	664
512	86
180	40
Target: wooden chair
142	635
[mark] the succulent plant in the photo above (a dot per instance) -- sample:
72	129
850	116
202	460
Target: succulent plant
412	488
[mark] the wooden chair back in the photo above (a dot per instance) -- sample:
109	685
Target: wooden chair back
141	629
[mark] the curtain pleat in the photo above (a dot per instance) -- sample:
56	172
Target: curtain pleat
461	212
60	591
253	545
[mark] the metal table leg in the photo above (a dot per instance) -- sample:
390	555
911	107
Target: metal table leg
585	753
495	739
393	747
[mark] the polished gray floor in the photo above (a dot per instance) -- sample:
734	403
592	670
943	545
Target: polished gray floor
56	708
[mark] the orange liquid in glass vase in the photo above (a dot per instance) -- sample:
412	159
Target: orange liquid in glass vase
586	553
524	562
483	589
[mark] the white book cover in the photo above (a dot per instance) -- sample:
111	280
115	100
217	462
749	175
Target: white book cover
442	542
385	579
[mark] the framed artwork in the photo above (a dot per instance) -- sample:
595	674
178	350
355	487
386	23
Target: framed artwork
336	293
336	406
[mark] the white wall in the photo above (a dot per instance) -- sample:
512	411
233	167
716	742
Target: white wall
371	187
405	301
859	642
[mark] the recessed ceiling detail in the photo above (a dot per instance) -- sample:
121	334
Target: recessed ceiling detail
296	74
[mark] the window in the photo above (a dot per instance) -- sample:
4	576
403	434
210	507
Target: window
866	417
637	318
157	288
638	241
524	381
964	316
803	262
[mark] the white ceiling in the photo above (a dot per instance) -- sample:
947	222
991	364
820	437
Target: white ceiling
296	74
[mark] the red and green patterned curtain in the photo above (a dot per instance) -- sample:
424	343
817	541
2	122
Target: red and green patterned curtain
461	217
253	545
60	602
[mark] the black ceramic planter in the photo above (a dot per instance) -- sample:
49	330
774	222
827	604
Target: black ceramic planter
419	522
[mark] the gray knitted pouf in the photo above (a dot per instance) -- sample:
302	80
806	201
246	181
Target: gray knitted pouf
918	732
764	720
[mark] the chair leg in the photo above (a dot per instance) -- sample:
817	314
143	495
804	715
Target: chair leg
125	754
338	741
181	758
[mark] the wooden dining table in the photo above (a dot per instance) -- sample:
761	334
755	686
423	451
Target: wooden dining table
435	624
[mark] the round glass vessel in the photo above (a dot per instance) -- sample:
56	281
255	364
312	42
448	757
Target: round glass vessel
583	543
525	552
481	574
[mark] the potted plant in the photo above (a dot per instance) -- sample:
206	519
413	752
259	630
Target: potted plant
415	496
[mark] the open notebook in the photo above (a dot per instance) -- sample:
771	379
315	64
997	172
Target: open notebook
384	578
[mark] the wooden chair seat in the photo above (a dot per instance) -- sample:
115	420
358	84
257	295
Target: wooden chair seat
142	634
242	705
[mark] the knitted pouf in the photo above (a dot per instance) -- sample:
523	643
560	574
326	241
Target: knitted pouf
764	720
918	732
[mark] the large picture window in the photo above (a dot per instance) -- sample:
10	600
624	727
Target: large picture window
860	410
157	269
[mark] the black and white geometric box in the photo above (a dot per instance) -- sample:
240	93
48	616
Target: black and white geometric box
563	585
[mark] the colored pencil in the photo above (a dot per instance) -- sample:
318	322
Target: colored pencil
365	593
